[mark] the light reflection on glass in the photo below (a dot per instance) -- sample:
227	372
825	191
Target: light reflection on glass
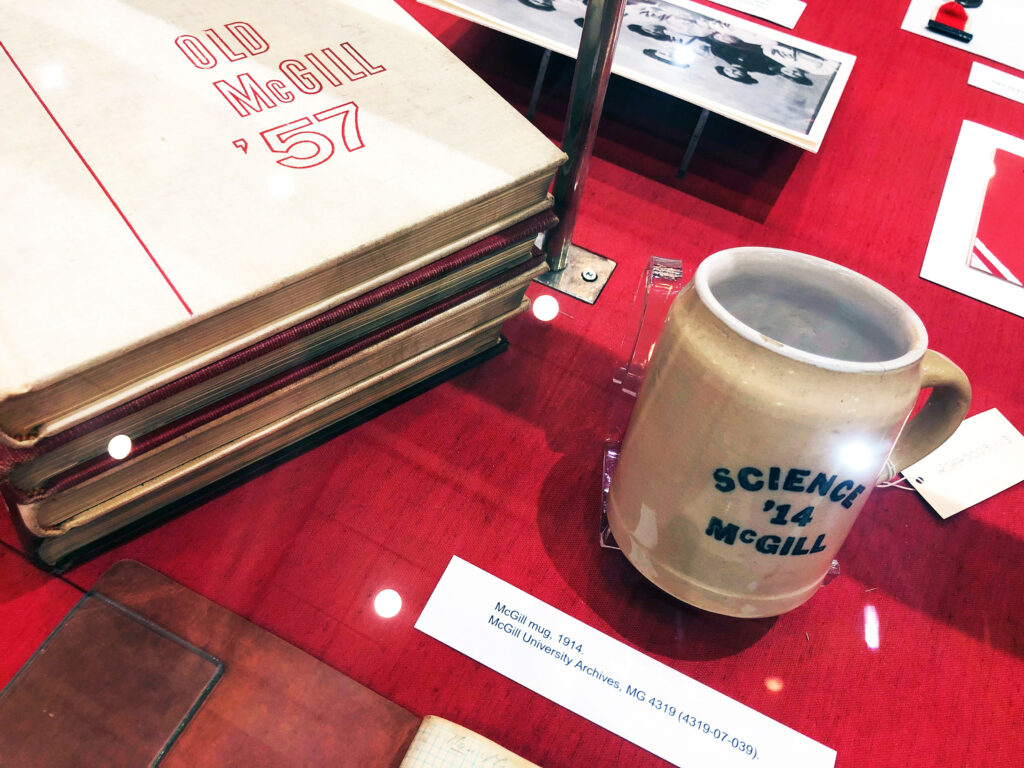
856	456
774	684
871	636
387	603
545	308
119	446
683	57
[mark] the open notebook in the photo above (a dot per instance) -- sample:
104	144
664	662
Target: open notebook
440	743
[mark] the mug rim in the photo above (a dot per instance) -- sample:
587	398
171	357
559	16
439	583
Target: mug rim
714	264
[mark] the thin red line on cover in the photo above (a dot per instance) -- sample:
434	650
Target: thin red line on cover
96	178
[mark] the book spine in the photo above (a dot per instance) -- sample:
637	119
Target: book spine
30	535
90	533
145	443
12	374
12	456
530	227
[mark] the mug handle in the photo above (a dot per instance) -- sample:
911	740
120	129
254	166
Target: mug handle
940	415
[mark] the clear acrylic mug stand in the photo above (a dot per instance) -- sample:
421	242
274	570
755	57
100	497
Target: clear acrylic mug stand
661	281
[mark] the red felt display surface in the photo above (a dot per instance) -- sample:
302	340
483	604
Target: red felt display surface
501	465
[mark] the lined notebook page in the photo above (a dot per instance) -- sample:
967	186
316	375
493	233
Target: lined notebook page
443	744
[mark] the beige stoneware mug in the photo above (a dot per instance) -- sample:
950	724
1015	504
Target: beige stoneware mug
777	397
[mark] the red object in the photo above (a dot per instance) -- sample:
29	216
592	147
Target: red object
952	15
999	241
124	684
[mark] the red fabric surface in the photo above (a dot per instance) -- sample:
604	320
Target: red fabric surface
501	466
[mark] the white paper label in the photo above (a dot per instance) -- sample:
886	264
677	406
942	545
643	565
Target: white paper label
604	680
983	457
1000	83
785	13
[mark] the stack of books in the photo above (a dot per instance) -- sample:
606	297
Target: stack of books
229	225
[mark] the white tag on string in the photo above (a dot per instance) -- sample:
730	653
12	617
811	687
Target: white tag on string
983	457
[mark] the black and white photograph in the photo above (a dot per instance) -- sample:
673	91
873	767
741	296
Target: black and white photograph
758	76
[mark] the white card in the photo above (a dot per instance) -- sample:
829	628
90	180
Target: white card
785	13
983	457
996	81
604	680
956	222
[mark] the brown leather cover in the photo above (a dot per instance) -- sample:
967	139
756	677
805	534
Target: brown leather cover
104	689
274	705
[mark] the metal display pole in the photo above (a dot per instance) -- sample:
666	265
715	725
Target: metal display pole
574	270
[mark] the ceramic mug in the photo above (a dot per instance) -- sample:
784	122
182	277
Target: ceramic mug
778	395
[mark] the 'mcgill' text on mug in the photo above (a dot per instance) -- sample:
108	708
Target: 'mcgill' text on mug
793	480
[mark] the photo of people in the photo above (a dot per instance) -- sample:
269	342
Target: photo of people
764	78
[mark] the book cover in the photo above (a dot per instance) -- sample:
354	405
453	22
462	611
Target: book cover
195	176
57	711
119	681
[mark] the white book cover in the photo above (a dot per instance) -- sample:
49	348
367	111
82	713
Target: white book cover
165	162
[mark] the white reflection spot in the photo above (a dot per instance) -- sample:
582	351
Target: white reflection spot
774	684
856	456
545	308
682	57
281	186
871	627
119	446
51	76
646	532
387	603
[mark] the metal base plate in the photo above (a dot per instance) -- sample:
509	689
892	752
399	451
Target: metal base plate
584	276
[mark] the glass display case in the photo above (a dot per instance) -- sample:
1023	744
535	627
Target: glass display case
911	654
